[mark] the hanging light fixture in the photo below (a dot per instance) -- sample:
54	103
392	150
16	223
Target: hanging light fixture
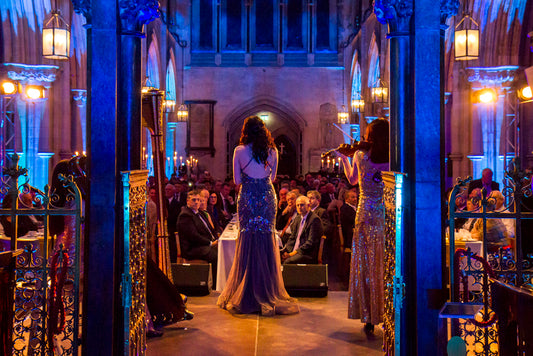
358	104
183	111
380	92
56	37
343	115
466	39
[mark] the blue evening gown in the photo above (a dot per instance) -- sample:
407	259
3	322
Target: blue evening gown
255	283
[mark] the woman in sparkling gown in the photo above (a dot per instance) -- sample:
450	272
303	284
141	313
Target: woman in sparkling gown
366	296
255	283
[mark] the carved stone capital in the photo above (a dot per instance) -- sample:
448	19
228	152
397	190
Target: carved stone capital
136	13
27	73
83	7
491	76
448	8
395	13
79	96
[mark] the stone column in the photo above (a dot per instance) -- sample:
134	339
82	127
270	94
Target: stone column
170	148
114	126
31	115
488	138
416	116
80	98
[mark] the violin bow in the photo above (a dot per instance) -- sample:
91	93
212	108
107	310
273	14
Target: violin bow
343	132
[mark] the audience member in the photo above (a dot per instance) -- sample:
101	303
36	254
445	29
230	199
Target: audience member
286	217
485	182
151	224
173	210
347	217
314	206
304	241
196	239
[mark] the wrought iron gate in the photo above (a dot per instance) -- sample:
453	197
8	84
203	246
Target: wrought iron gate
134	276
393	271
46	318
506	261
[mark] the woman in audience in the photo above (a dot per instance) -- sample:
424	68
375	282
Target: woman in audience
366	272
255	283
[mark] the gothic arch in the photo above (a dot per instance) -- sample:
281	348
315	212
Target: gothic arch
170	78
153	65
291	117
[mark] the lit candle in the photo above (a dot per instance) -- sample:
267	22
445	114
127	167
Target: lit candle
328	163
144	153
175	161
76	153
321	164
84	153
181	160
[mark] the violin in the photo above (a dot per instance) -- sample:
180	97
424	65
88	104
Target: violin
348	149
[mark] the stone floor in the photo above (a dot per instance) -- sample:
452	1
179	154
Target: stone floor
321	328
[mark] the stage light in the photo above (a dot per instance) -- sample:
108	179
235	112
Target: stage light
525	94
485	96
34	92
8	87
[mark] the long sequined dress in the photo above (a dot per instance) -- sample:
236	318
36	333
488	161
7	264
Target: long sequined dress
255	283
366	269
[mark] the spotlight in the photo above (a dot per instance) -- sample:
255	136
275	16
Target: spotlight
525	94
34	92
8	88
485	96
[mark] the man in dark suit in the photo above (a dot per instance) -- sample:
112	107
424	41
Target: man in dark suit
347	217
314	206
485	182
328	196
173	210
196	239
306	232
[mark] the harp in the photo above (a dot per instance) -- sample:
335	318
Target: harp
152	118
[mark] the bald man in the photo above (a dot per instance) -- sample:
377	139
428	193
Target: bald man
306	231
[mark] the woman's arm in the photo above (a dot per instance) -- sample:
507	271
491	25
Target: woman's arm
273	161
236	165
350	170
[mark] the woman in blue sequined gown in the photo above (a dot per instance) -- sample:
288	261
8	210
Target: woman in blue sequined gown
255	283
366	296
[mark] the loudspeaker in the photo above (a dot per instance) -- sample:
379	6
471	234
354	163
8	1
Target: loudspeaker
305	280
192	278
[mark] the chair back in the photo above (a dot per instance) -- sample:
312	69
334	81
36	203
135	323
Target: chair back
321	249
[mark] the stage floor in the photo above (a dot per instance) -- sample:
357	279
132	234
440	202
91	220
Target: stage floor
321	328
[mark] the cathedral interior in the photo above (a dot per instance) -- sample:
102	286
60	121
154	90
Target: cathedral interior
451	79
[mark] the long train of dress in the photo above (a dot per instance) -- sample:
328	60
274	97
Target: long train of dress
255	283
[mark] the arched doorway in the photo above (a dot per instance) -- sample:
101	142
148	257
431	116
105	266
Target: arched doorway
285	124
287	156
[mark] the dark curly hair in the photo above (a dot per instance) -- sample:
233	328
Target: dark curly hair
254	132
378	136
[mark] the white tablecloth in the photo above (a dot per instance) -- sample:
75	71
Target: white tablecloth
226	253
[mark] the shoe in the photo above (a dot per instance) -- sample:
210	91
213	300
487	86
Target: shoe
369	328
188	315
153	333
184	298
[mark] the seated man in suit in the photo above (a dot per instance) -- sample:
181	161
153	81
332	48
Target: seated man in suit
485	182
347	217
314	206
306	232
196	239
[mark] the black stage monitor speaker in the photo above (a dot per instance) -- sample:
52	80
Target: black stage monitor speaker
192	278
305	280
